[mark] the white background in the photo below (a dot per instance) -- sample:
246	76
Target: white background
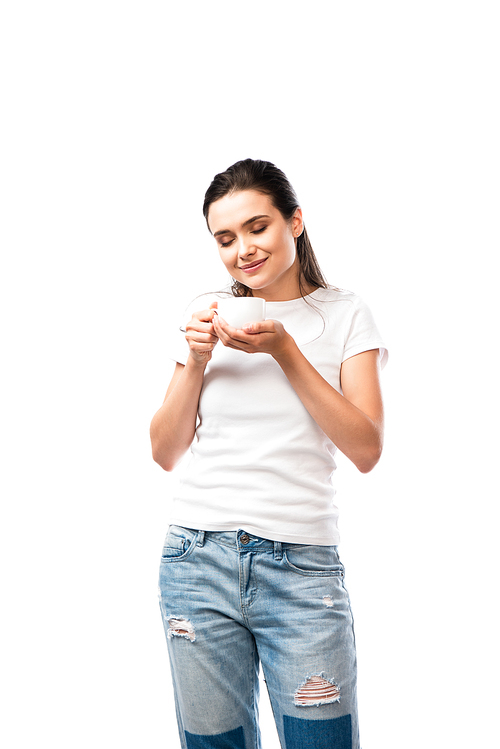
116	116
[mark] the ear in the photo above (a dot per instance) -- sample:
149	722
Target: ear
297	223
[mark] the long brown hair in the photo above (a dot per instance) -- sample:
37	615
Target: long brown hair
266	178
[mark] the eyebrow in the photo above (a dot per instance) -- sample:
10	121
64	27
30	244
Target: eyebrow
245	223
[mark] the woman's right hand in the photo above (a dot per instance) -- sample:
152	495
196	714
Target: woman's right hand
174	425
200	335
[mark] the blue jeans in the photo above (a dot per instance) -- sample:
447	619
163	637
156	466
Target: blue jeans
230	600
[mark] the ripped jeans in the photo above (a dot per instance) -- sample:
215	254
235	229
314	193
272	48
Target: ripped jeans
232	600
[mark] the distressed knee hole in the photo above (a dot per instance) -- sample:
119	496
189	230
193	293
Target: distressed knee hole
328	601
180	627
317	691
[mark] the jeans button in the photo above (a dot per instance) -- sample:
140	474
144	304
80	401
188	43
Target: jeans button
245	539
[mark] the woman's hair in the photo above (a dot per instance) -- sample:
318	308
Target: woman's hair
264	177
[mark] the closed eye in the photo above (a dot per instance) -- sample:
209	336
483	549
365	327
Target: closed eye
256	231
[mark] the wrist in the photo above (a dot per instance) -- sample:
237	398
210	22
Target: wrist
194	364
287	351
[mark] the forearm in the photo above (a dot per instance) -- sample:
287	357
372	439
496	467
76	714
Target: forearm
173	426
354	433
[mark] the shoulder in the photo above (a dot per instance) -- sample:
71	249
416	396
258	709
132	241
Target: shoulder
333	294
337	302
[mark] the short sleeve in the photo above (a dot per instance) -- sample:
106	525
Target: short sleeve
362	333
177	346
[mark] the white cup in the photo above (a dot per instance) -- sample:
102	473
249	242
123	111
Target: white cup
240	310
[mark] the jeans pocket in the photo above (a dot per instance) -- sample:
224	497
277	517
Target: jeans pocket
314	560
178	543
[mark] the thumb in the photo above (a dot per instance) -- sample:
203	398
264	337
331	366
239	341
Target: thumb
266	326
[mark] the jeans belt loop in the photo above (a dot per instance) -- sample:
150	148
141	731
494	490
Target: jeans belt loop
201	538
278	551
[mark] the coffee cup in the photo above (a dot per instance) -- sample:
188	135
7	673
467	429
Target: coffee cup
237	311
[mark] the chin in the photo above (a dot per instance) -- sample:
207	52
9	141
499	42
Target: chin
252	283
255	286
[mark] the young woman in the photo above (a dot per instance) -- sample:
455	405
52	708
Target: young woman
250	572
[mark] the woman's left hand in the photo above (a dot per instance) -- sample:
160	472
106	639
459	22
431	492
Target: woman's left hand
267	337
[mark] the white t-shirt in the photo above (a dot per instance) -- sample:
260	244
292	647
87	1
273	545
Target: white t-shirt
259	461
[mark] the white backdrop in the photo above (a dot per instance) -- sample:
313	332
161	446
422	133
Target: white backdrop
117	115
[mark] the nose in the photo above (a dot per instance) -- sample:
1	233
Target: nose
246	248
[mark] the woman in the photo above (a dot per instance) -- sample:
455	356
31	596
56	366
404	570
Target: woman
250	571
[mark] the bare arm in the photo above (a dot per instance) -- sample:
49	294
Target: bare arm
173	425
353	421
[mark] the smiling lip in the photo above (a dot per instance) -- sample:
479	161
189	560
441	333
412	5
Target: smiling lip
253	266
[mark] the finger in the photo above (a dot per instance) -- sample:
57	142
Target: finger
221	324
223	329
228	344
202	338
264	326
205	315
200	326
201	346
229	336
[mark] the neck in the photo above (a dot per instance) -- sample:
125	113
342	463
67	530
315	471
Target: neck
284	296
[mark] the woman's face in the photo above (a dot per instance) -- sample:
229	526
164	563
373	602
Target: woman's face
256	244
